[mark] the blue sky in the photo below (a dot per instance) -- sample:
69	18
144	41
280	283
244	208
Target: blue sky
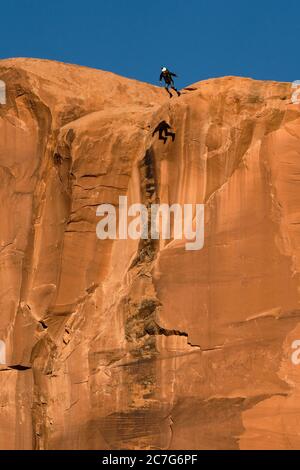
197	39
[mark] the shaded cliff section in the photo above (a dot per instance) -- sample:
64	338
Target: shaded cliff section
126	344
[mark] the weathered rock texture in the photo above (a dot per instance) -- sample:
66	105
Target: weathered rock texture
121	344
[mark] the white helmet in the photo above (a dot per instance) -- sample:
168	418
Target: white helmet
164	69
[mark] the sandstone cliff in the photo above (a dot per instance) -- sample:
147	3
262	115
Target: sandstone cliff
127	344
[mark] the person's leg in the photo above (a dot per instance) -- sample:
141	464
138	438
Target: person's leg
169	93
175	89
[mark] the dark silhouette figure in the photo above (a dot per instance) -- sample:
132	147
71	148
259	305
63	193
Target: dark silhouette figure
167	76
163	131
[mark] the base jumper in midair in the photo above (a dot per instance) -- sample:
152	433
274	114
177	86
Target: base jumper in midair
167	76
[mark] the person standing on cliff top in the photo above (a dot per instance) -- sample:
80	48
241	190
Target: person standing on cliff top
167	76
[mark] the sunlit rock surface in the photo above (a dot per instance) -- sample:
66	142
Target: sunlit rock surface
115	344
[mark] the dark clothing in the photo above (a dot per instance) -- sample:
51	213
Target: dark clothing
167	77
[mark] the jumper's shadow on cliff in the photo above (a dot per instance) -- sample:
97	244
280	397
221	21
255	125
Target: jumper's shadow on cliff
163	129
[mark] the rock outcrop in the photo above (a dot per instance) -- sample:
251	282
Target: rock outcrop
114	344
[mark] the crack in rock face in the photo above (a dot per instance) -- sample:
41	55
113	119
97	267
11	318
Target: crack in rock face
141	344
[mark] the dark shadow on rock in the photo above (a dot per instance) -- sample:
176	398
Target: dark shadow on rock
163	129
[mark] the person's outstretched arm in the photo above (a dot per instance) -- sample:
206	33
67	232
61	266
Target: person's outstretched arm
173	74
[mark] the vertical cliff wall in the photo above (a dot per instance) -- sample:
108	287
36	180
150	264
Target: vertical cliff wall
114	344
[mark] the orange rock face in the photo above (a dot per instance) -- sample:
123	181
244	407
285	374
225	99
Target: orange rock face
141	344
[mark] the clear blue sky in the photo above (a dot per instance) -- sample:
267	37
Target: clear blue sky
196	38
